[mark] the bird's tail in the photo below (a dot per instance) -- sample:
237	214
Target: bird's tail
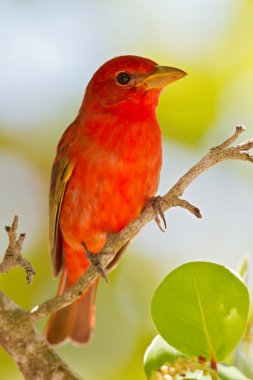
76	321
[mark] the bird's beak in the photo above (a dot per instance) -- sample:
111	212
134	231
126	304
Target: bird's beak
162	76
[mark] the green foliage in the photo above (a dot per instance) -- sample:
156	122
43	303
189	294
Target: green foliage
159	352
230	373
201	308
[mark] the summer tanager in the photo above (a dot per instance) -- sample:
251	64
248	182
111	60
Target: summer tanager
106	168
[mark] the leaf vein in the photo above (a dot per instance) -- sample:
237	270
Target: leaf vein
203	318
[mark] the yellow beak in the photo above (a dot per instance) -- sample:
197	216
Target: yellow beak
162	76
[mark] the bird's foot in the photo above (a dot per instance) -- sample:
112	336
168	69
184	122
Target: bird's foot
156	204
94	259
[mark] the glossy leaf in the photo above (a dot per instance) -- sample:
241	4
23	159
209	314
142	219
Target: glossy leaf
201	308
160	352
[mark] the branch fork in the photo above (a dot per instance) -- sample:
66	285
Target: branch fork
13	256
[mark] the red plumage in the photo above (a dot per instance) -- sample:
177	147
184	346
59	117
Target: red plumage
106	168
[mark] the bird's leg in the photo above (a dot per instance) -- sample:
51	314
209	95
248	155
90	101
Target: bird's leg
94	259
156	204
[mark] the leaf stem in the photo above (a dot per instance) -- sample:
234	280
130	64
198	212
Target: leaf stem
214	367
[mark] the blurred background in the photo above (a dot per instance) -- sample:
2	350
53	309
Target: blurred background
49	50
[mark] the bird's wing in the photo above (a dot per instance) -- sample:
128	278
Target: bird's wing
61	173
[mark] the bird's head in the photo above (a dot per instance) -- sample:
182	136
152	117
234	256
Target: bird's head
128	79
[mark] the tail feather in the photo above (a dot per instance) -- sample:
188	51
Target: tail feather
76	321
81	332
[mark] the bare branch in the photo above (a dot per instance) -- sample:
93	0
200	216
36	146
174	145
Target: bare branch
13	256
238	131
222	152
30	351
34	357
188	206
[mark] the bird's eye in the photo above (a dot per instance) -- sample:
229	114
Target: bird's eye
123	78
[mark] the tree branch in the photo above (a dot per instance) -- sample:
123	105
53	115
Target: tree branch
220	153
35	359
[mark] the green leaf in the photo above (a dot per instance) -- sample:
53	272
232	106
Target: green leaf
201	308
230	373
158	353
243	268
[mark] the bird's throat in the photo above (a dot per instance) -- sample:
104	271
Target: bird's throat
130	131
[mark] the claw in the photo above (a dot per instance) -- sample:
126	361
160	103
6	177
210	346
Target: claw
94	259
156	203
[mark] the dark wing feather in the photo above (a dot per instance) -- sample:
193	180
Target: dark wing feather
61	172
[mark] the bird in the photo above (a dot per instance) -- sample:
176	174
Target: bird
106	169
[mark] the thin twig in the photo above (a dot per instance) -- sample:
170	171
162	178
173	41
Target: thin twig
222	152
238	131
188	206
13	256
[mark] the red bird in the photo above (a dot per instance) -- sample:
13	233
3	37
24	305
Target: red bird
106	168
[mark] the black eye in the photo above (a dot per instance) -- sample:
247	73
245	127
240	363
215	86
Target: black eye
123	78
